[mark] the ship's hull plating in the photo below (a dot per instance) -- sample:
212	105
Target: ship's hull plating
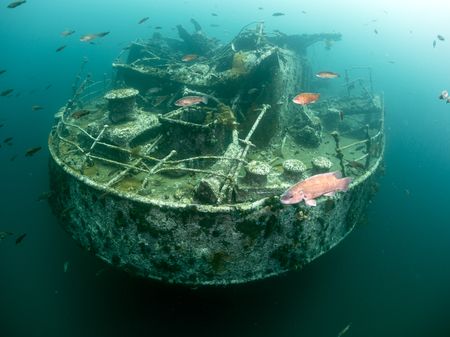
200	244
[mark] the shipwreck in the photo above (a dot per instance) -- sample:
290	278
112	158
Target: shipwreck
190	194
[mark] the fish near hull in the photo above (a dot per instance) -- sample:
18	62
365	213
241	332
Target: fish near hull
325	184
306	98
191	100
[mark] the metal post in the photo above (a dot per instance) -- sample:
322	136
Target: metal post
339	153
368	147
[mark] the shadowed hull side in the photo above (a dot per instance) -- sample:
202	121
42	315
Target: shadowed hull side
198	244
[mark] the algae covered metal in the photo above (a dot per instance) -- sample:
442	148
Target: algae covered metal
189	193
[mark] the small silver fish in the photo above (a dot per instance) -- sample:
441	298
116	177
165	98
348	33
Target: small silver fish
16	3
444	95
90	37
6	92
343	331
60	48
143	20
20	238
67	33
31	151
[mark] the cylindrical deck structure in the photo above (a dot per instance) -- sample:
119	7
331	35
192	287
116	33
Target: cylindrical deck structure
198	244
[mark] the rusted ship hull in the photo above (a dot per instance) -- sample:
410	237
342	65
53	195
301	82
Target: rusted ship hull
202	244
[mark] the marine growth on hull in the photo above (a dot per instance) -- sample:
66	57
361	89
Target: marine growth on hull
191	121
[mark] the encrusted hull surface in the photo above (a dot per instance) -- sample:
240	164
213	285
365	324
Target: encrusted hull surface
202	244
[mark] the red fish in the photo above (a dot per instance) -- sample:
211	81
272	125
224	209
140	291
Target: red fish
189	57
327	74
191	100
313	187
306	98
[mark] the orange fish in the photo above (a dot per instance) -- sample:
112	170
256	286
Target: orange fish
313	187
327	74
189	57
306	98
191	100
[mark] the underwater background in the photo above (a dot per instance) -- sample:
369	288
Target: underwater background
389	277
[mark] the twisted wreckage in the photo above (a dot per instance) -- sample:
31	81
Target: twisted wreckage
190	194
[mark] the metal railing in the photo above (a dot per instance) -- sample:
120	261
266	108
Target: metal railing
137	162
373	145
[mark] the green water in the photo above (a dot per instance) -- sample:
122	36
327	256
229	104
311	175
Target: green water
390	277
